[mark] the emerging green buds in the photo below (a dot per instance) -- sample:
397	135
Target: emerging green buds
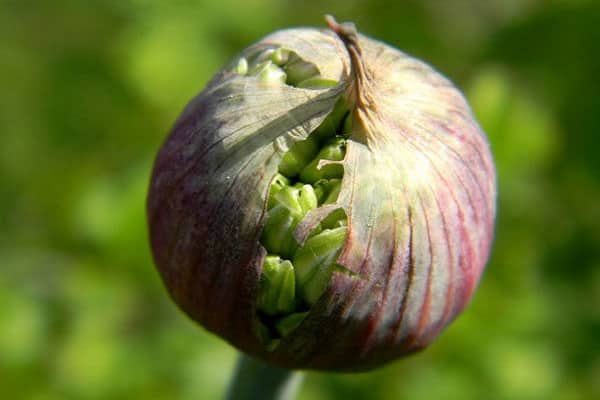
308	267
327	202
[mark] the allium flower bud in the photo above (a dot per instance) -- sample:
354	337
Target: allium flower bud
327	202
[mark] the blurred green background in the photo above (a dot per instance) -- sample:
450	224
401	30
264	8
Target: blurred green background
91	88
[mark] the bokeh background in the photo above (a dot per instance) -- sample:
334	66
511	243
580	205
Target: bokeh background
89	89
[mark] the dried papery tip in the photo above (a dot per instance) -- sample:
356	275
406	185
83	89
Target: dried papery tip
348	34
361	88
346	30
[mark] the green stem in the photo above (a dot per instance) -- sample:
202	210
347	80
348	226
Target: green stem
254	379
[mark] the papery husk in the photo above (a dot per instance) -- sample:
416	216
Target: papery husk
418	191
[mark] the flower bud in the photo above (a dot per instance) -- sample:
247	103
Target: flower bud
327	202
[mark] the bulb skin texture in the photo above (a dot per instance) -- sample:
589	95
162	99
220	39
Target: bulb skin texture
415	181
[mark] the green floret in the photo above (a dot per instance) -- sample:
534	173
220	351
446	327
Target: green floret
334	150
315	262
277	290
